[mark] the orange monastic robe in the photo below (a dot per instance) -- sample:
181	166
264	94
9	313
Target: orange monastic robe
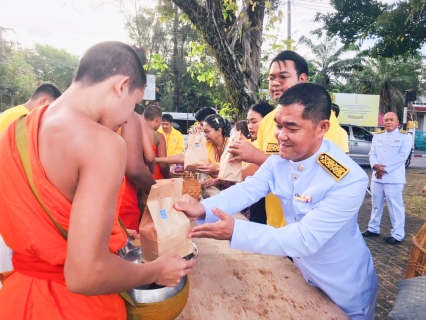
129	211
37	289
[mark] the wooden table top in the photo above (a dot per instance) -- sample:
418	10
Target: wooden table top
232	284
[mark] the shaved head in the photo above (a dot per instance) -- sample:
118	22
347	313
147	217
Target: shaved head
390	121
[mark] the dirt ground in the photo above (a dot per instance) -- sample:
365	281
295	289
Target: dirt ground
415	201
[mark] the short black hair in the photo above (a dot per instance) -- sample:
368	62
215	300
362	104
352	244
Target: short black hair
335	108
46	89
151	112
217	122
300	63
262	108
203	113
167	117
313	97
107	59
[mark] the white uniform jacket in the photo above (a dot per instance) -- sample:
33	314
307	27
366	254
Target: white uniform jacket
390	149
322	234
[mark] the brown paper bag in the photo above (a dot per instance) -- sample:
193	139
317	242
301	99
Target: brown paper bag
162	228
231	171
196	155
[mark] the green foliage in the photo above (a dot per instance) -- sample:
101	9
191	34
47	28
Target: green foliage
398	29
157	63
184	71
22	70
389	78
16	77
327	68
53	65
227	111
198	68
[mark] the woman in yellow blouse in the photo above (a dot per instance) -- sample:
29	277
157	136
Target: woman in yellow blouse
216	130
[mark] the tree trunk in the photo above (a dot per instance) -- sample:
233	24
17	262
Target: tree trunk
236	50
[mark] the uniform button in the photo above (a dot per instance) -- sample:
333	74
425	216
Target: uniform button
295	219
294	177
291	162
300	167
298	257
383	157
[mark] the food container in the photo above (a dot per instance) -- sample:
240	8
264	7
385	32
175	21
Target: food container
154	301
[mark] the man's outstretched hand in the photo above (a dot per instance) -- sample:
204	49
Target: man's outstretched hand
191	207
220	230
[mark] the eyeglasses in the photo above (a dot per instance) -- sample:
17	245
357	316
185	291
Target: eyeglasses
281	77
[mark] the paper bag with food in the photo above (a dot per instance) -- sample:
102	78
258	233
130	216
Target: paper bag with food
162	228
231	171
196	155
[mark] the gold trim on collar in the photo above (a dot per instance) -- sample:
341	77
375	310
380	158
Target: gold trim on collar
334	168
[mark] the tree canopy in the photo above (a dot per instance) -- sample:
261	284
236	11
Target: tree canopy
389	78
23	70
398	29
233	32
329	66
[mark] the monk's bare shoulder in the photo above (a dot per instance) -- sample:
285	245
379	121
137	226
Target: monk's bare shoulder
98	141
70	144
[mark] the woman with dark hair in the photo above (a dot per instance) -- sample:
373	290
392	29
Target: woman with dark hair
256	113
241	125
216	130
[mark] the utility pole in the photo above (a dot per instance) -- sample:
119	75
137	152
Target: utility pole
288	19
410	95
2	29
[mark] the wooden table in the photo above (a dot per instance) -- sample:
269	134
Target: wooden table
232	284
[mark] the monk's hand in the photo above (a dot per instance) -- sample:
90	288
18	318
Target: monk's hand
171	268
133	234
220	230
191	207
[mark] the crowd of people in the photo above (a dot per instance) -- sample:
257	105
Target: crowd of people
303	190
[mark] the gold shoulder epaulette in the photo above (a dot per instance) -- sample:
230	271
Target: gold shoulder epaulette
336	169
403	131
379	132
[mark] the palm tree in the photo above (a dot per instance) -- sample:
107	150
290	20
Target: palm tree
327	62
388	77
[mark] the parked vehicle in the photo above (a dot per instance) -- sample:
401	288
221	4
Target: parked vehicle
360	144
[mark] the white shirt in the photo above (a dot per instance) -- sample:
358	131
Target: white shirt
322	234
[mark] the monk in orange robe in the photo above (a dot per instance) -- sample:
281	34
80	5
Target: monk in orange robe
152	116
78	168
129	210
138	174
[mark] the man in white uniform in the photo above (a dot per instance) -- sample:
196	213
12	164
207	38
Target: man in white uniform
321	190
389	150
